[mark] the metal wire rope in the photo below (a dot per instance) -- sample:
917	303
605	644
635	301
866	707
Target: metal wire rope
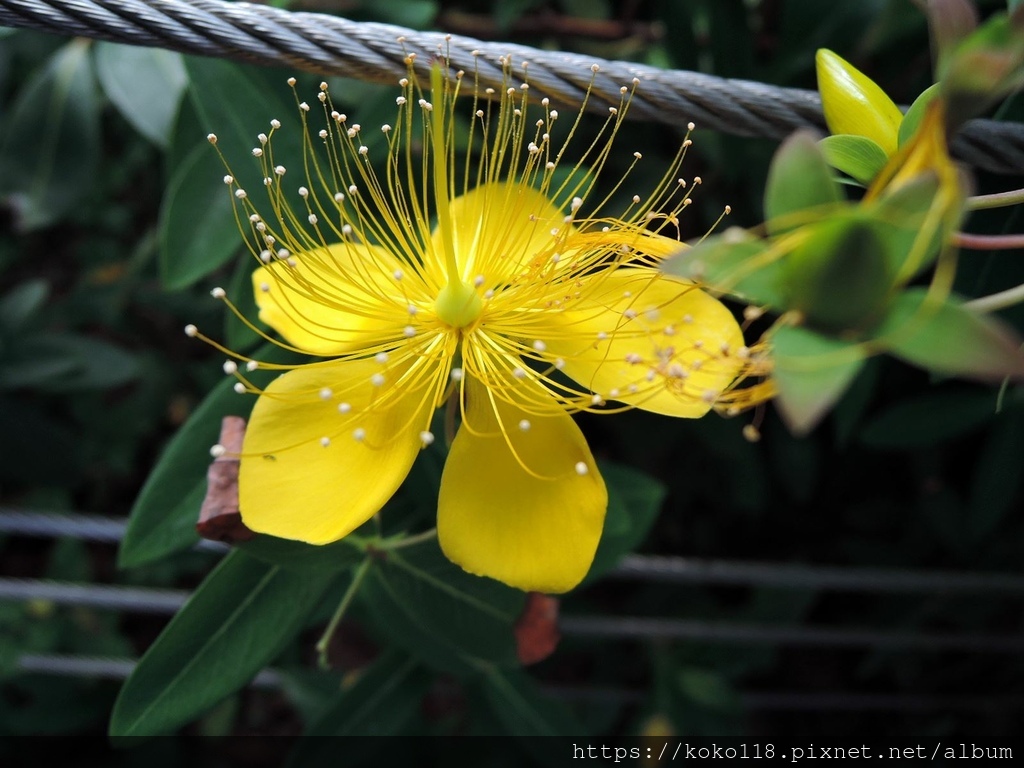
365	50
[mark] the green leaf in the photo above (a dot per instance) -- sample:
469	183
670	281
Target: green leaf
983	68
997	476
799	184
857	156
929	419
89	363
300	556
145	84
236	622
811	372
634	500
51	145
444	616
198	232
913	116
947	337
237	335
20	305
164	516
415	14
838	275
734	262
526	711
384	700
899	219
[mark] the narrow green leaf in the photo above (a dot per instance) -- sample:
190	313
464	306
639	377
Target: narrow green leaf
444	616
525	711
929	419
163	518
300	556
946	337
51	142
799	184
811	372
734	262
235	623
145	84
634	500
384	700
913	116
857	156
198	231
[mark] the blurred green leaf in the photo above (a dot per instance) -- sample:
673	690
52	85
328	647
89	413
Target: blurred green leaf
37	447
236	622
384	700
857	156
838	275
899	217
997	476
415	14
983	68
929	419
145	84
449	619
20	305
92	363
950	22
811	372
734	262
799	184
634	500
947	337
51	144
525	710
913	116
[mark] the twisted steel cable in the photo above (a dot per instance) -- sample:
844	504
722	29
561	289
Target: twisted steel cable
332	45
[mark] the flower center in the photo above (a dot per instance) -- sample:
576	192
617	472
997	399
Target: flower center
458	305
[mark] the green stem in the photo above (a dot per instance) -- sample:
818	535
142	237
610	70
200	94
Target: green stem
1001	300
346	601
998	200
408	541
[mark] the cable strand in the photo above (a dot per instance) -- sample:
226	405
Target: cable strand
328	44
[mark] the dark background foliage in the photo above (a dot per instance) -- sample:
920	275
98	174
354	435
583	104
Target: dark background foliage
107	254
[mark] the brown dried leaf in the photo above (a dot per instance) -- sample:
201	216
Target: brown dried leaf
536	629
219	517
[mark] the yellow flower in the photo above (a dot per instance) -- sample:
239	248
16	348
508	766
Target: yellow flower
515	310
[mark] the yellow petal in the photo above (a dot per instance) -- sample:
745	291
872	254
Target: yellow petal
496	519
501	229
651	340
853	103
334	300
295	484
